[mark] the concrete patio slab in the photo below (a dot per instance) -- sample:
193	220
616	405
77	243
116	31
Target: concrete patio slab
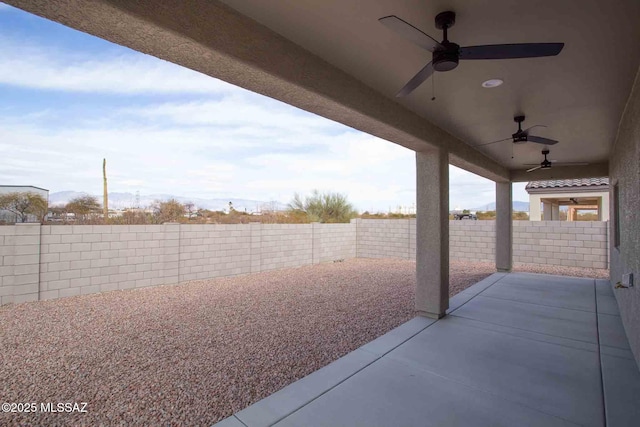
485	283
603	287
534	279
621	382
554	379
495	360
607	304
397	336
545	293
463	297
611	331
616	352
231	421
560	322
458	301
273	408
389	393
535	336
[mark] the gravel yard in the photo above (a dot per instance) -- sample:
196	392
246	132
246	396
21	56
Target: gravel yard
195	353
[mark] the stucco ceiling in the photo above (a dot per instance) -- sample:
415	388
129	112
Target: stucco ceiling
579	95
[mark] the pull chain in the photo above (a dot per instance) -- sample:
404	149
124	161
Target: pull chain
433	87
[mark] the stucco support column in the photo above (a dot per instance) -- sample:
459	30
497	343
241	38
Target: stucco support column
600	208
504	226
432	233
555	212
534	208
605	208
546	211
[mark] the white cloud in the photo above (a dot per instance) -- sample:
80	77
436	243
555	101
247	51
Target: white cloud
205	162
233	110
25	65
238	144
201	162
469	191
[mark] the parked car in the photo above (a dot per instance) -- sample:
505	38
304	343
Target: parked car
462	215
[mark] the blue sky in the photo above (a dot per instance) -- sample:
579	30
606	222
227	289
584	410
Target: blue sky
68	100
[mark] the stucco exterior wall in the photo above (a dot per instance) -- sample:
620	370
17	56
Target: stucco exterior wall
625	173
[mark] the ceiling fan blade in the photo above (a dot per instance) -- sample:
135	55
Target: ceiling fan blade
534	126
541	140
409	32
493	142
416	81
511	51
569	163
533	169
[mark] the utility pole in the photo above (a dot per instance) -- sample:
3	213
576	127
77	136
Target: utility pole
105	196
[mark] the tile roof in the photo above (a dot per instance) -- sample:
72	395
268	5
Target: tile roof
560	183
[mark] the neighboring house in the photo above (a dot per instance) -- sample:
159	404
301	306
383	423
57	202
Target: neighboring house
546	198
6	189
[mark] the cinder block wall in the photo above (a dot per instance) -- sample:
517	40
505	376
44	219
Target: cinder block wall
86	259
19	263
334	242
286	245
571	244
472	240
384	238
46	262
396	238
207	251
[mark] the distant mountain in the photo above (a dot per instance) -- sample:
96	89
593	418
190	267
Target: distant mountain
517	207
128	200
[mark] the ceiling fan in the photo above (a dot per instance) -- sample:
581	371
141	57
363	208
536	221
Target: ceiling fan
446	54
546	163
522	135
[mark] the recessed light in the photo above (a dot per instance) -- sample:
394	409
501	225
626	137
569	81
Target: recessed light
492	83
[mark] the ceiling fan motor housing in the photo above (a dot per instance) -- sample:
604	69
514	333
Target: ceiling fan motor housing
447	58
546	164
519	138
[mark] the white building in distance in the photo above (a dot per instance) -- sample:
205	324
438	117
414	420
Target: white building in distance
6	189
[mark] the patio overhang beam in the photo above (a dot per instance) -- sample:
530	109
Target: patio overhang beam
210	37
561	172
